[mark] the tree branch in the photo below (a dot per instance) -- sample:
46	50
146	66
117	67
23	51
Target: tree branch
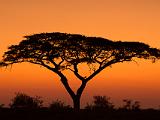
81	88
65	84
50	68
76	72
63	78
61	61
101	68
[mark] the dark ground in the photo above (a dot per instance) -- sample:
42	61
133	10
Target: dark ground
46	114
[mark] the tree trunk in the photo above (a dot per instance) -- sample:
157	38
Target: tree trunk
75	97
76	103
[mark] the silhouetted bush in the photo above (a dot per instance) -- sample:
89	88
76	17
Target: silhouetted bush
100	103
59	105
1	105
130	105
22	100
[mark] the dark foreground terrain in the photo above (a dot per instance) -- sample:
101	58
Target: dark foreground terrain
47	114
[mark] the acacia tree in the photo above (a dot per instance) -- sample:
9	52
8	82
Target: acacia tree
61	51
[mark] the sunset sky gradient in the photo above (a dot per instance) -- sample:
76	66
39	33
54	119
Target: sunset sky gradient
126	20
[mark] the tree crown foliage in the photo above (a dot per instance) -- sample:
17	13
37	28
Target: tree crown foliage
59	51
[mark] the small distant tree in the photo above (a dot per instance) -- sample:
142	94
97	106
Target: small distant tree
100	103
127	104
131	105
59	105
22	100
136	105
2	105
61	51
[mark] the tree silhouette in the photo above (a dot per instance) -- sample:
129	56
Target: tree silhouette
61	51
22	100
131	105
59	105
100	103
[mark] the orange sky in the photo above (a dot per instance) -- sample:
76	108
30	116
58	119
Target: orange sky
129	20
